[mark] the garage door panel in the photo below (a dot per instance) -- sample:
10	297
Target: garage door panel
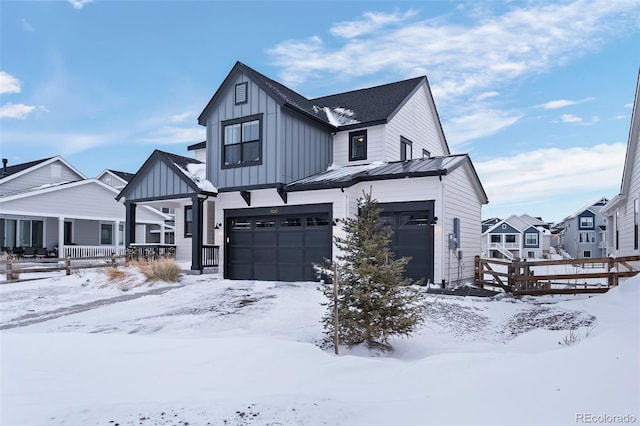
280	247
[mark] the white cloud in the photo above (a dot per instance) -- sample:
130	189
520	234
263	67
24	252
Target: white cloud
482	123
486	95
561	103
370	23
461	59
178	118
9	84
628	105
621	117
172	135
27	26
570	118
79	4
63	143
19	111
535	178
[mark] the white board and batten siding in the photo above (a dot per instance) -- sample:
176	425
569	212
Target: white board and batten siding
418	122
47	174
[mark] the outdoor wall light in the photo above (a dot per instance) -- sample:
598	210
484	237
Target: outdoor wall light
434	221
218	226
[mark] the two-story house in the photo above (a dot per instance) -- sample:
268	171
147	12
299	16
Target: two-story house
49	204
582	235
623	211
283	171
521	237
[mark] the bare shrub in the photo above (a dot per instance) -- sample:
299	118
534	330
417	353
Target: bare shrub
571	338
162	270
115	274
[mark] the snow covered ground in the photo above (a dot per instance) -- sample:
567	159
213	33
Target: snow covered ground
77	351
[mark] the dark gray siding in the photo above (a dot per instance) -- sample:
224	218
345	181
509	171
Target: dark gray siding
291	147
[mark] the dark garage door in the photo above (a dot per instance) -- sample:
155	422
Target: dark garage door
412	235
277	244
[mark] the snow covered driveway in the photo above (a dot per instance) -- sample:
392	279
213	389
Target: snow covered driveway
212	351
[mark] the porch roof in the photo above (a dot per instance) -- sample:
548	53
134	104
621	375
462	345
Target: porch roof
165	176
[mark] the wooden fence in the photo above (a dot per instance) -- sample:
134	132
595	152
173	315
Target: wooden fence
520	277
13	268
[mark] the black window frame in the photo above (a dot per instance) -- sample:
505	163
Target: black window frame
425	153
188	224
223	146
353	135
404	143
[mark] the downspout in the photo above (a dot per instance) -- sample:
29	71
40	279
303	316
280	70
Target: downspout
443	241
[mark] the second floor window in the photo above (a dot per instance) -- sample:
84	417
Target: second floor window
242	141
587	237
586	222
406	149
358	145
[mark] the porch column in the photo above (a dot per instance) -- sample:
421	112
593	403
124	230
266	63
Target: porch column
162	231
116	237
130	224
196	233
60	237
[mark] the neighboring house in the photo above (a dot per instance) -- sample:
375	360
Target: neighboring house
623	210
520	237
283	171
154	233
49	204
488	223
199	151
583	234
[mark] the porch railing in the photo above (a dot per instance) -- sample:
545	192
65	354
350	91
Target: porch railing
151	251
210	255
75	252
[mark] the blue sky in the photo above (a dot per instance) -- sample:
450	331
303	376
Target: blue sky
538	93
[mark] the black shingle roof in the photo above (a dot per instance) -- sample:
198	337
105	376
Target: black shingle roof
199	145
179	159
17	168
369	106
122	175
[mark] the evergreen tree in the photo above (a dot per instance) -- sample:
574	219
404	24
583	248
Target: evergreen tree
374	300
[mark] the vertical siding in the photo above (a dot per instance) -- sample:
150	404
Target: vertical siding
159	180
307	149
417	122
38	177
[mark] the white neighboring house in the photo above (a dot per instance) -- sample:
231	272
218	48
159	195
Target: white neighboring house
623	211
521	237
285	170
49	204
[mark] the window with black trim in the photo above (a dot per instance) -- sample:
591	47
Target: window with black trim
188	221
406	149
358	145
241	93
242	141
636	213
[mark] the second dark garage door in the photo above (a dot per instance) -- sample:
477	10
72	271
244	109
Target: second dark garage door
279	244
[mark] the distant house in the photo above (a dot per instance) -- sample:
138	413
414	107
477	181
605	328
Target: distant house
283	171
623	211
582	235
521	237
49	204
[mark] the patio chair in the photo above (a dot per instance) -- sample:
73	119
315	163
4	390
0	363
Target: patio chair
41	253
18	251
29	253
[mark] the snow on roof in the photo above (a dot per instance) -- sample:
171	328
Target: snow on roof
338	116
197	172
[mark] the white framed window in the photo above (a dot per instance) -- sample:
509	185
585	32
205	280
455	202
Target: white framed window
531	239
496	238
586	222
586	253
587	237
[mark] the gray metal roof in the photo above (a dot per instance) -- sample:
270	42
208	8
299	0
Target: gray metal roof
344	177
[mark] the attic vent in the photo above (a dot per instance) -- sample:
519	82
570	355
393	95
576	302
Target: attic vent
241	93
